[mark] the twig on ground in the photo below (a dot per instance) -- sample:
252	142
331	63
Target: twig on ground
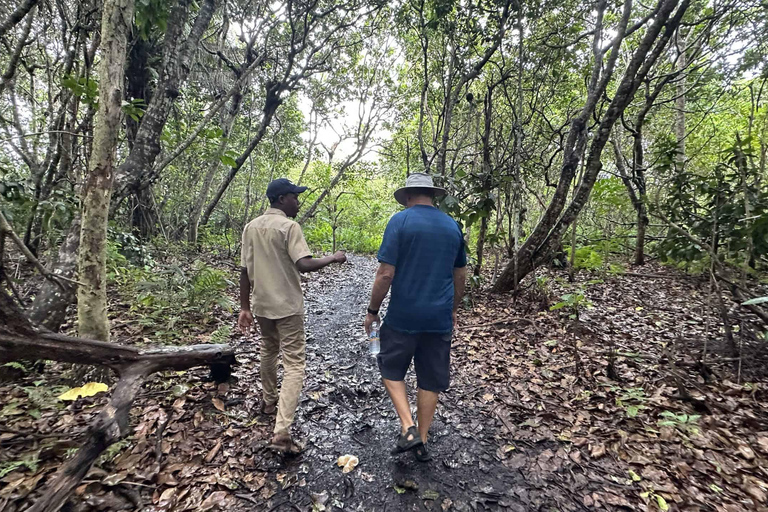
507	320
248	497
159	435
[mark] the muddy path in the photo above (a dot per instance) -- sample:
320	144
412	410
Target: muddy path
344	410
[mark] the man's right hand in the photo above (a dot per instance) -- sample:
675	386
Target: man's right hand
245	321
368	323
340	257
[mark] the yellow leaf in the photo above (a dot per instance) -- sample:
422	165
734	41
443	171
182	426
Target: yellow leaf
89	389
635	476
662	503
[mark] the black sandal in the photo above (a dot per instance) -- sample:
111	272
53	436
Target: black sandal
408	441
422	454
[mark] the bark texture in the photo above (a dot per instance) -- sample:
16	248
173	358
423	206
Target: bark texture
92	317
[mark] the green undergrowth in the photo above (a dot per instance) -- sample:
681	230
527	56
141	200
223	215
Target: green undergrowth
172	297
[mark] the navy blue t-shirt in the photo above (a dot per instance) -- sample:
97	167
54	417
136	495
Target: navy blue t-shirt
425	245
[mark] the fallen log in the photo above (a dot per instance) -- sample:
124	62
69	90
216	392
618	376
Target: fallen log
20	340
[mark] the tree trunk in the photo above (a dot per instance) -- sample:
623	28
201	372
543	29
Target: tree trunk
548	233
136	171
228	119
680	103
16	16
271	103
92	317
481	246
488	174
50	303
636	197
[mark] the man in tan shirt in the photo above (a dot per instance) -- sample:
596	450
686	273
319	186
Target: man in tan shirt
273	253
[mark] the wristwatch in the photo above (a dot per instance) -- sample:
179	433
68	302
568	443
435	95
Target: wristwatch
373	311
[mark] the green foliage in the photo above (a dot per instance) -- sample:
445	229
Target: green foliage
170	292
755	301
685	422
712	207
112	451
84	88
134	108
30	462
572	302
222	334
16	366
632	400
586	258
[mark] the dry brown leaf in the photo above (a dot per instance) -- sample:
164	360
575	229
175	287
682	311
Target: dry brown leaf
216	499
746	452
217	403
114	479
756	492
212	454
166	498
348	462
597	450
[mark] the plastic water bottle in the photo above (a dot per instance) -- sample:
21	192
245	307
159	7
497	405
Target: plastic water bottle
374	346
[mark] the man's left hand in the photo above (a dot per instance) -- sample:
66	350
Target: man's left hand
455	319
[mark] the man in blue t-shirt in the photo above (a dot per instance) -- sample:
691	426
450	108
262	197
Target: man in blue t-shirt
422	258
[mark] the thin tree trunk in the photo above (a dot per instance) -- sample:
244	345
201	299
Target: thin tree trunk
50	305
271	103
517	155
16	16
636	197
572	259
92	317
226	126
488	173
680	103
548	233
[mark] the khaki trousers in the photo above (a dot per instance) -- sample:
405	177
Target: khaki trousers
286	335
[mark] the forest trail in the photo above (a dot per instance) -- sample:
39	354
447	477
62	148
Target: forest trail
344	409
543	413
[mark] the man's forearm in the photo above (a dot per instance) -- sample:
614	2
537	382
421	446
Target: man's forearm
245	290
380	289
384	276
313	264
459	283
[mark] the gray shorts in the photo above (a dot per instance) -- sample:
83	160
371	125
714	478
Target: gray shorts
430	352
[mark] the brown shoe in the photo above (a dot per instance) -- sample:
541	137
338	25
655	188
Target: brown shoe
283	443
269	409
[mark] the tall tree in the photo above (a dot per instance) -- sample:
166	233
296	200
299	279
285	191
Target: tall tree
92	320
548	233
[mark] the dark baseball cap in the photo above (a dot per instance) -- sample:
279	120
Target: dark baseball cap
281	187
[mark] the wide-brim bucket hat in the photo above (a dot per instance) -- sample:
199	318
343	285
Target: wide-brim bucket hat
417	180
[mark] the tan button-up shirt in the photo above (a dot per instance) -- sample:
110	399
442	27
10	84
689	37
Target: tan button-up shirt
272	244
